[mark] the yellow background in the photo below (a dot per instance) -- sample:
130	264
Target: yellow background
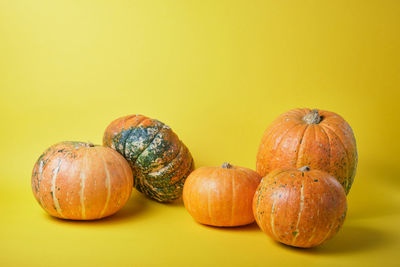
217	72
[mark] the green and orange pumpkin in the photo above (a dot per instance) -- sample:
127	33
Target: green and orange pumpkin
80	181
159	160
317	138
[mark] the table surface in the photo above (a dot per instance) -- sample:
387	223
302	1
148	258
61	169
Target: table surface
218	73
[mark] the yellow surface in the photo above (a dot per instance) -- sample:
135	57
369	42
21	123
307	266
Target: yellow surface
217	72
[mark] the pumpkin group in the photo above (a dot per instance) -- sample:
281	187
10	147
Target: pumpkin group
301	208
159	160
80	181
320	139
221	196
295	205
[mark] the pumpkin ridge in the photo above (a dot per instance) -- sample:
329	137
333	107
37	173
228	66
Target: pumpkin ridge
130	128
124	142
347	158
82	175
297	112
139	140
170	174
272	220
281	140
301	210
181	148
158	192
276	126
329	146
299	145
158	124
151	141
136	123
283	118
342	143
330	190
263	187
42	165
162	148
168	169
183	178
333	223
180	164
318	216
270	130
258	203
53	184
43	159
107	183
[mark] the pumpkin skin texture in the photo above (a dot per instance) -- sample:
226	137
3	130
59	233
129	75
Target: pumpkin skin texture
300	208
320	139
159	160
221	196
80	181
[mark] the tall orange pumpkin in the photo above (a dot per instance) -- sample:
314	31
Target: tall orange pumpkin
301	208
221	196
320	139
80	181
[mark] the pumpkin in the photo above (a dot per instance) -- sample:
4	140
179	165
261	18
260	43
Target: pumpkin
300	208
320	139
80	181
159	160
221	196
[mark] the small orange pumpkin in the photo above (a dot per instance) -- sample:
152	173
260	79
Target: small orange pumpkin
80	181
320	139
300	208
221	196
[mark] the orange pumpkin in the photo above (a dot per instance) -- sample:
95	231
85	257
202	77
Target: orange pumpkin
221	196
80	181
320	139
301	208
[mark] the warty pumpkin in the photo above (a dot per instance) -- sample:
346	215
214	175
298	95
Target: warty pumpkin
80	181
221	196
159	160
301	208
320	139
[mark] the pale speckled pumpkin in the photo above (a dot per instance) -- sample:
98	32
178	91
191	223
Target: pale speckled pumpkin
320	139
301	208
159	160
80	181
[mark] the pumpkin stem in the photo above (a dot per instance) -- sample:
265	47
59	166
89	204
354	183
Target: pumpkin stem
313	117
90	144
226	165
304	169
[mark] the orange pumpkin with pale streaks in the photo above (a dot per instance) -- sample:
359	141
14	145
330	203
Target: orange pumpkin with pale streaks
320	139
80	181
221	196
300	208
